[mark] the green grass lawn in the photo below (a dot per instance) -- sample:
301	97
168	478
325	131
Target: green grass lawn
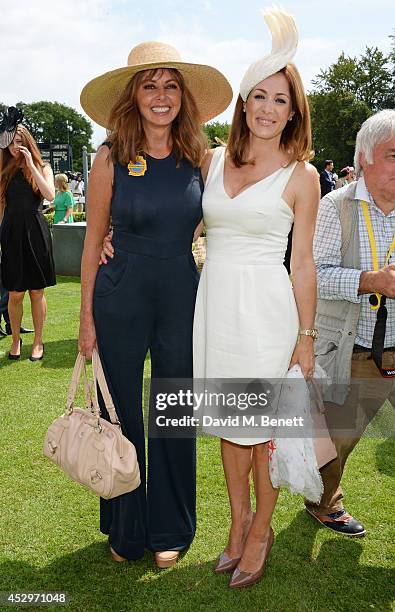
49	533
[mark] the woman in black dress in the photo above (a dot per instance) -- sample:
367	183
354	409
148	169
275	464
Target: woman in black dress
27	261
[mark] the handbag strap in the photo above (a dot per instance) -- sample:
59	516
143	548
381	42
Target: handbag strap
75	379
100	379
91	399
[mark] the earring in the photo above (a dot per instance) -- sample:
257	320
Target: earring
244	109
290	117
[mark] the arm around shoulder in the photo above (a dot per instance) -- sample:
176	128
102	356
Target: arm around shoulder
100	193
206	162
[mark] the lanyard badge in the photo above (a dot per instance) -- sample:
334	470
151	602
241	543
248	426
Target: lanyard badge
375	298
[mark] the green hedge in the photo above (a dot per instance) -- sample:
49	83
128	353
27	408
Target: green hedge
78	216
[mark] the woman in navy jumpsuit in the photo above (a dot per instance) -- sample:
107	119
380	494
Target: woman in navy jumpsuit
143	299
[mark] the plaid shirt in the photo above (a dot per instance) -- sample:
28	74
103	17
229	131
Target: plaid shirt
337	283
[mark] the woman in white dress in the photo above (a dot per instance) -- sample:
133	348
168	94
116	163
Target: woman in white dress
249	323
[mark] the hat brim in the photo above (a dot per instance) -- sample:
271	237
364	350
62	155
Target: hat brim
210	89
6	138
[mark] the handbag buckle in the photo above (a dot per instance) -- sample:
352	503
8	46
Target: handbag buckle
52	446
98	428
96	477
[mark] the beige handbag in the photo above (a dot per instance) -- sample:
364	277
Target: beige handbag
89	449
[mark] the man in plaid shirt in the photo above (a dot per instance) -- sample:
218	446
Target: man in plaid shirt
346	281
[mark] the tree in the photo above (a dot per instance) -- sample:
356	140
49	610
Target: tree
369	79
336	118
377	83
345	95
52	121
391	102
340	76
216	130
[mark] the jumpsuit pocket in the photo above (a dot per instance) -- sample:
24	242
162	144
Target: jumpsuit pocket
110	276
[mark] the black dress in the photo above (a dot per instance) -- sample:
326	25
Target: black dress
26	246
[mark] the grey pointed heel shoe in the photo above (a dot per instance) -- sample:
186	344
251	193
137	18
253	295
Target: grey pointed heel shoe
245	579
227	564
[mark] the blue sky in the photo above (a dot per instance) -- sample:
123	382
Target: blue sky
54	48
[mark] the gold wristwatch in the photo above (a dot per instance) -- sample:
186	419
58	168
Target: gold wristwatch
313	333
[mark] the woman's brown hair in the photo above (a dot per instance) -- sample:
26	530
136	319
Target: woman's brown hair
9	164
127	132
295	137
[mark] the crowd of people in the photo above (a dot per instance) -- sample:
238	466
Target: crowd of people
157	183
329	180
77	189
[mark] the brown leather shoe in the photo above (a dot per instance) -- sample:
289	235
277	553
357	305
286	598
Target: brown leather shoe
166	558
341	522
245	579
227	564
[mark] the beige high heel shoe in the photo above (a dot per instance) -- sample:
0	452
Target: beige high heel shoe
166	558
116	557
245	579
227	564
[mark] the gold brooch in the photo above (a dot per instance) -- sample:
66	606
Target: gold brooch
139	167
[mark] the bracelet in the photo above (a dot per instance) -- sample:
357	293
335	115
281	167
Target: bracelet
313	333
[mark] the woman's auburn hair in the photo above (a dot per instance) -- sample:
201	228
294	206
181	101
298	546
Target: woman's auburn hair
62	181
296	135
9	164
127	132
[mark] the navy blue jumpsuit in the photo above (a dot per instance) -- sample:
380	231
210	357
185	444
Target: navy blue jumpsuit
144	300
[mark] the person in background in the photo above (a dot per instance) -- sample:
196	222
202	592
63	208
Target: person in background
4	315
354	248
27	262
78	192
346	176
327	181
64	202
73	182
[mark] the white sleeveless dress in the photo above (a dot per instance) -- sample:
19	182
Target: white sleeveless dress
246	320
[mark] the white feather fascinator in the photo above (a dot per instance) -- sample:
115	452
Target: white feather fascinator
284	44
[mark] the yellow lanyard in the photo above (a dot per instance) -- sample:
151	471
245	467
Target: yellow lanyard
373	248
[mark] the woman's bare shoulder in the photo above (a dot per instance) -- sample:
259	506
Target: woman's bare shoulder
305	171
103	152
102	161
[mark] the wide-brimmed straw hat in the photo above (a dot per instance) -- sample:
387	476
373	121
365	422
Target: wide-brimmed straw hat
210	89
